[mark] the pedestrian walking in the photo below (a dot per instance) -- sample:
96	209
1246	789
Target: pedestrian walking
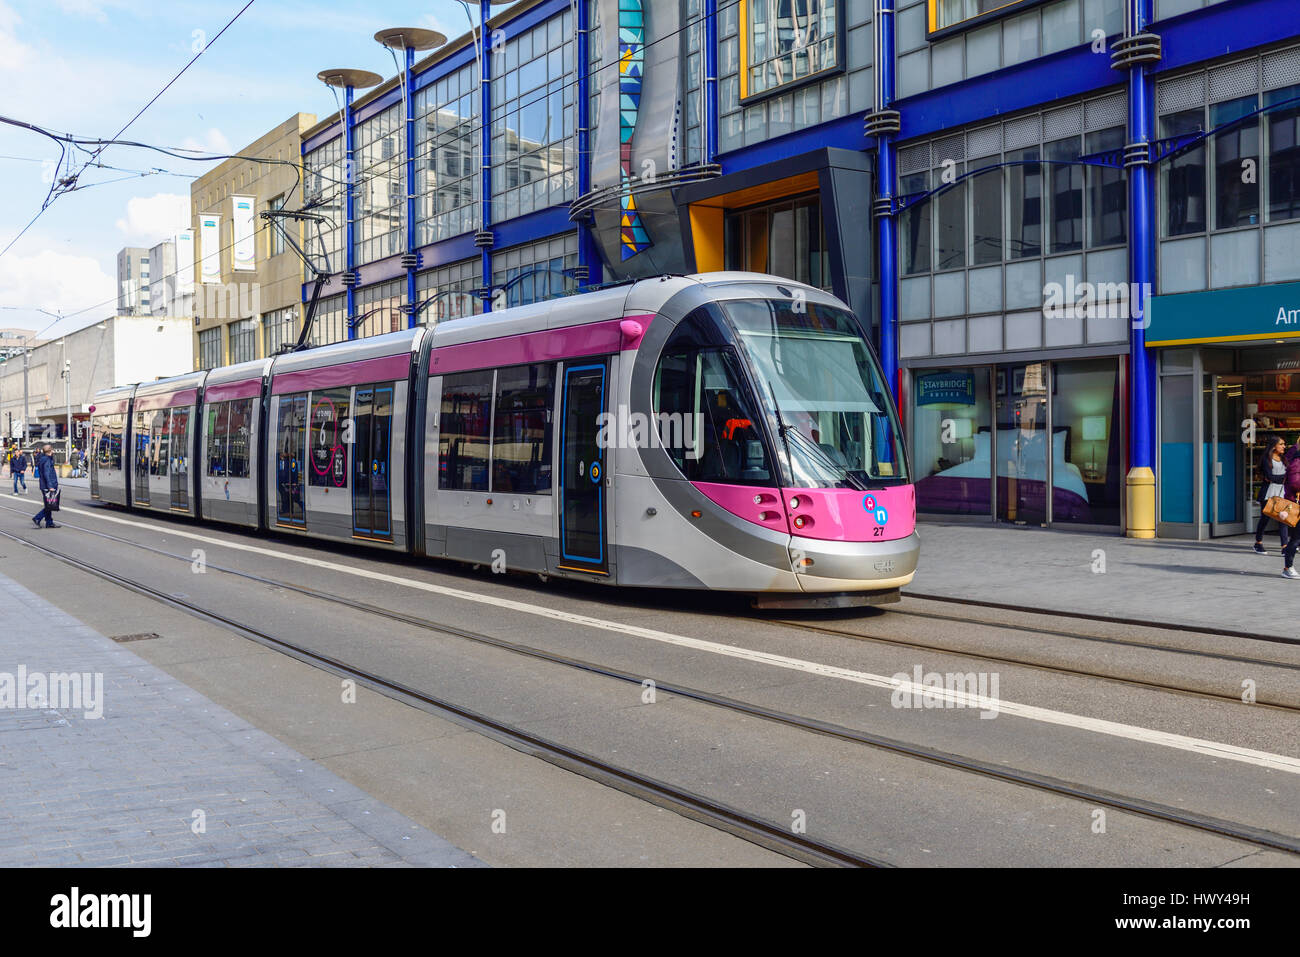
1272	472
49	480
18	470
1293	493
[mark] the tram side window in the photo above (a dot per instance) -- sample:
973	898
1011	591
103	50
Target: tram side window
706	423
521	429
159	445
463	435
142	443
218	416
109	431
239	422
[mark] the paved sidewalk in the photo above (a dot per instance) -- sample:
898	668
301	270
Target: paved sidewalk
1217	584
126	788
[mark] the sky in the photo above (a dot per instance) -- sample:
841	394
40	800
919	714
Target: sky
87	66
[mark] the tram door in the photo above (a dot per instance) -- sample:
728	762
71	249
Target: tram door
179	448
92	457
372	425
290	461
582	470
141	434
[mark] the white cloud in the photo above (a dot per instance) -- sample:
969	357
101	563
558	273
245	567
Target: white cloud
151	219
15	56
90	9
58	282
213	141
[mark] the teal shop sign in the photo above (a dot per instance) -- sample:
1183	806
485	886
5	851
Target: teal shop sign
1225	315
946	388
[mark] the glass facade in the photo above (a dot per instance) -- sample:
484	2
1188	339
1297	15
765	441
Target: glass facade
210	351
243	340
785	239
379	194
453	290
534	127
788	42
279	328
379	309
447	157
326	183
534	271
330	324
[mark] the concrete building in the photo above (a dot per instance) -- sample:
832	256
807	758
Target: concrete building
133	281
248	287
171	282
118	351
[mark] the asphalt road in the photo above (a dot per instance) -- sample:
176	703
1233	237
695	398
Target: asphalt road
1152	716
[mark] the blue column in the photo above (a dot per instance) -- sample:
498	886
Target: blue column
349	175
485	143
1140	498
588	254
710	117
410	186
886	176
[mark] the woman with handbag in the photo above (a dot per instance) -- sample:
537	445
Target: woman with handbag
1293	494
1272	474
50	487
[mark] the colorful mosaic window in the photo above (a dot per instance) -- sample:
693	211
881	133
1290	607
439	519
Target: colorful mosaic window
631	62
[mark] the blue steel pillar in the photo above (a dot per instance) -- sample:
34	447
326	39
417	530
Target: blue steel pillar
884	125
484	239
710	116
410	189
349	175
588	255
1136	52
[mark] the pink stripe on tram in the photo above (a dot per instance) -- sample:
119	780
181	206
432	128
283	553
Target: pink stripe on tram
233	390
184	397
545	345
382	369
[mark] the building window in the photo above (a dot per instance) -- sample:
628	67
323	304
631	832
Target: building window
1107	192
1184	177
1283	154
534	272
379	309
279	328
945	14
329	324
323	242
784	239
447	157
210	348
379	194
449	292
243	341
277	235
787	42
534	144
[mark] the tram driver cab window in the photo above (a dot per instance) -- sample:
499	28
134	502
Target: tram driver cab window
707	423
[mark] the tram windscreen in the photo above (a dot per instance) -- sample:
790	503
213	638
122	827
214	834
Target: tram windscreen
819	380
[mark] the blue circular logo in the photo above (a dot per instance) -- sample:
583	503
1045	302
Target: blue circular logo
868	503
881	516
595	471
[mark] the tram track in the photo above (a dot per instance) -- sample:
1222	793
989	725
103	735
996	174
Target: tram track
698	807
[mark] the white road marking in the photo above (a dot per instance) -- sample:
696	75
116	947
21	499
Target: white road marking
1213	749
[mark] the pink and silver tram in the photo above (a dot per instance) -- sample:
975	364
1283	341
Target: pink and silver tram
725	431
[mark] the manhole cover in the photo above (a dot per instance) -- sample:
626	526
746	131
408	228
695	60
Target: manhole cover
142	636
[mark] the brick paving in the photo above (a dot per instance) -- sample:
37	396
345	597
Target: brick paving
124	789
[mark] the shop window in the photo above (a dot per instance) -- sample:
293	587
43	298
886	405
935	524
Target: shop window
787	42
1177	474
1087	475
951	441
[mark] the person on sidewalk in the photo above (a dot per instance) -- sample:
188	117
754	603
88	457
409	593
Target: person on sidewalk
18	469
49	479
1293	493
1272	475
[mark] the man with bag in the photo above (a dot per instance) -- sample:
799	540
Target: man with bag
49	479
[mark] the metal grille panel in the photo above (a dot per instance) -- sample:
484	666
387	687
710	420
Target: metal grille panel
1234	80
984	142
1105	112
1282	68
951	148
1026	131
914	159
1063	122
1183	93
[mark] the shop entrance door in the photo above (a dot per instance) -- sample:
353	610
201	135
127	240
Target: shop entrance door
1223	455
